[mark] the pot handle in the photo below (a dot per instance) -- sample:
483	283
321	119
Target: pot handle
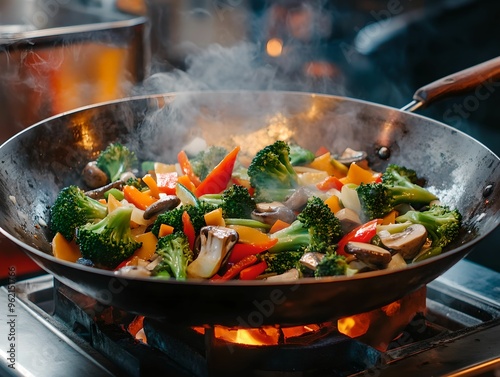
454	84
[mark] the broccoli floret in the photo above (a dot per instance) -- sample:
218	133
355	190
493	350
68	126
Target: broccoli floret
398	186
205	161
300	156
109	241
279	263
71	209
117	159
174	217
136	182
323	226
332	265
271	173
175	256
442	223
236	202
316	229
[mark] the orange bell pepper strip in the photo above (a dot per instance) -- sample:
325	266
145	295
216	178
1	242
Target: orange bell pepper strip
188	229
251	273
278	225
138	198
187	168
152	185
330	182
242	250
218	179
235	269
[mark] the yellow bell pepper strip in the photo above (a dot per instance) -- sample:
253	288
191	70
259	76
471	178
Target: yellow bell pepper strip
148	247
235	269
165	230
242	250
153	187
64	249
250	235
358	175
140	199
251	273
215	218
166	182
390	218
218	179
333	202
331	182
187	168
362	233
188	229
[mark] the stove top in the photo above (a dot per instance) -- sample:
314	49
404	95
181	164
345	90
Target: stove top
459	335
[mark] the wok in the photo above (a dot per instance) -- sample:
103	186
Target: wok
36	163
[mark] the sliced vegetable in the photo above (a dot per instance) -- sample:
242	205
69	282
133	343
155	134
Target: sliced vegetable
218	179
215	218
188	229
331	182
138	198
148	246
243	250
278	225
250	235
363	233
235	269
357	175
153	187
64	249
187	168
252	272
165	230
185	195
167	182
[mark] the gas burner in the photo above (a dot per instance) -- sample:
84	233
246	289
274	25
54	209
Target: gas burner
450	326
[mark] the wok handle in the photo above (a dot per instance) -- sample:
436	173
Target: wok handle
457	83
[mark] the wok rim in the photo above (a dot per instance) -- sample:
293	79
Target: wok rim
464	248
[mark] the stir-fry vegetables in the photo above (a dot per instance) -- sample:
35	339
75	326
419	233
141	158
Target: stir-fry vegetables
287	213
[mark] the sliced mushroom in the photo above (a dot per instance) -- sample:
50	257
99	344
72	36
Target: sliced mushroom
350	155
290	275
93	176
298	200
370	254
165	203
408	242
98	193
268	213
311	260
133	271
215	244
349	219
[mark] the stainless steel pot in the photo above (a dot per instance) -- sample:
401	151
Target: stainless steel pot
57	55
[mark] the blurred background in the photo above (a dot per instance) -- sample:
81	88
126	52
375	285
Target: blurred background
56	55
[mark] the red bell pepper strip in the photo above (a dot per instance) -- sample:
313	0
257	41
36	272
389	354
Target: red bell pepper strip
188	229
187	168
363	233
166	182
250	273
242	250
235	269
218	179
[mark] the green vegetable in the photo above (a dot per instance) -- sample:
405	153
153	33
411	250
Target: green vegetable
332	265
271	173
205	161
174	217
398	186
280	263
316	229
442	223
300	156
71	209
236	202
115	160
176	255
109	241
